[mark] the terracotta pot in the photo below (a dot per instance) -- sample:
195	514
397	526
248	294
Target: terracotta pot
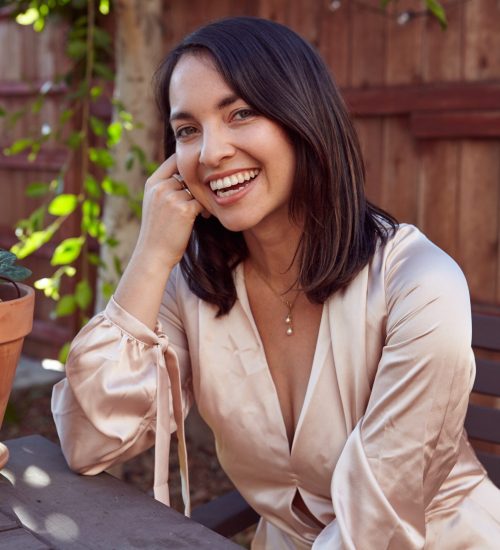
16	321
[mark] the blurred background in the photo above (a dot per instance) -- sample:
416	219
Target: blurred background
425	100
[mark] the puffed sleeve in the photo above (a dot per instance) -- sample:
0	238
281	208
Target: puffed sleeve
407	442
119	373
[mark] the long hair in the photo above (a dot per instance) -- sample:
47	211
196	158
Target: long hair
283	78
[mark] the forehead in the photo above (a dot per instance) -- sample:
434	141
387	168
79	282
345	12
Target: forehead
196	77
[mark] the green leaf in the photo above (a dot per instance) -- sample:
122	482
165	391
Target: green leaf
95	92
37	189
101	157
36	220
68	251
98	126
95	260
63	205
16	272
65	306
91	209
100	69
28	17
9	269
102	39
129	161
90	220
18	146
437	10
76	49
64	352
112	242
6	258
114	133
117	264
3	112
83	294
113	187
66	115
92	187
104	6
33	242
96	229
74	140
108	289
47	285
37	105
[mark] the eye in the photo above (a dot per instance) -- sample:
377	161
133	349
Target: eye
243	114
184	132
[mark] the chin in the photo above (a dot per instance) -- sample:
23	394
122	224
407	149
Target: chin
237	224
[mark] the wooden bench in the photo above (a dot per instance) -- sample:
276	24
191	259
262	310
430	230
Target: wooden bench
230	514
483	422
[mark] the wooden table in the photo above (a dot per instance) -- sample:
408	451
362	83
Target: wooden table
44	505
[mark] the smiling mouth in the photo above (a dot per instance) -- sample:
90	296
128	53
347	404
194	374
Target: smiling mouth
230	185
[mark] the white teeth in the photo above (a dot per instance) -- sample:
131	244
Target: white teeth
229	181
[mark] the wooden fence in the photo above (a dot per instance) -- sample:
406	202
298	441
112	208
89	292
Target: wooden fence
426	104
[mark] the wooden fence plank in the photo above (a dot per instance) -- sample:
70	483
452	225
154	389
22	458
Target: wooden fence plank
369	46
438	199
394	100
370	133
404	48
399	189
442	54
456	124
482	40
334	42
478	217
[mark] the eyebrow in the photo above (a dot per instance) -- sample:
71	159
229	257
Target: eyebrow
222	104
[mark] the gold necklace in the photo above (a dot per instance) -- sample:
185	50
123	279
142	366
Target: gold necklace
289	305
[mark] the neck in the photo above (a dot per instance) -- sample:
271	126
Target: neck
273	254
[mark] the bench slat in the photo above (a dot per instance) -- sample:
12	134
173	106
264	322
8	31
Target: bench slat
492	464
487	377
483	423
226	515
486	331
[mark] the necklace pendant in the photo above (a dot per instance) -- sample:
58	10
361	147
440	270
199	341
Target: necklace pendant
289	331
288	320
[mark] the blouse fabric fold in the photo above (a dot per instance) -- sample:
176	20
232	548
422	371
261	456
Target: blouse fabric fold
379	454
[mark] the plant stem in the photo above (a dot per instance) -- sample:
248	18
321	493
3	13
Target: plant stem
85	123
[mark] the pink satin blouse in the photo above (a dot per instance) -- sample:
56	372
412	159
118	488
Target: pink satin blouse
379	456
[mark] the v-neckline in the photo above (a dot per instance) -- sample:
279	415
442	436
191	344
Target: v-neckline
319	355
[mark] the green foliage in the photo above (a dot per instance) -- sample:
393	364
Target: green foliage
433	7
9	269
89	140
437	11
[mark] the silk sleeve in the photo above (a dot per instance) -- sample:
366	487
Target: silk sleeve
407	442
105	410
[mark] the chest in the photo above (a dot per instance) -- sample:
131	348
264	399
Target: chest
289	357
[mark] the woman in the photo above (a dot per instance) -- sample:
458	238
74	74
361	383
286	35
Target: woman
327	347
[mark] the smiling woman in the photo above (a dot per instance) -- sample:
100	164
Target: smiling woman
326	346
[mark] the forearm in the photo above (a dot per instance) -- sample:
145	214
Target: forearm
141	287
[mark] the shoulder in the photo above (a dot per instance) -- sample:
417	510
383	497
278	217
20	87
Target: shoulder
410	263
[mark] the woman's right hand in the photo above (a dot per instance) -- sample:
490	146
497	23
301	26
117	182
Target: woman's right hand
168	215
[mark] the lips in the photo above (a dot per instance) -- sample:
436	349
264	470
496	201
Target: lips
229	185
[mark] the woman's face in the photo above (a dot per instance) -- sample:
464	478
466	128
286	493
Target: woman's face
237	163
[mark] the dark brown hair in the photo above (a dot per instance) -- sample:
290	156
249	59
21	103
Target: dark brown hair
283	78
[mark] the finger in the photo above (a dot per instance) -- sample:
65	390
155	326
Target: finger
166	169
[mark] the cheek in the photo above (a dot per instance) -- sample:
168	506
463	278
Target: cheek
186	161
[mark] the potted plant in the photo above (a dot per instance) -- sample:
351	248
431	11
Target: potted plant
16	320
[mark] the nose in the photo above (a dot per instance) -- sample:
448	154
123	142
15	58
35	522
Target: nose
216	146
